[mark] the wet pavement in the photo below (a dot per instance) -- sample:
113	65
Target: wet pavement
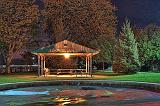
78	96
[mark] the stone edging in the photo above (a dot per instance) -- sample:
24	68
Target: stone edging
122	84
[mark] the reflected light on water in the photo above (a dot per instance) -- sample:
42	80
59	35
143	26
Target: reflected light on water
66	101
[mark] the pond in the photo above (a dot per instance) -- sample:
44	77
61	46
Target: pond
78	96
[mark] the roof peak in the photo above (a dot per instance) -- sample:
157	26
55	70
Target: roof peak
65	46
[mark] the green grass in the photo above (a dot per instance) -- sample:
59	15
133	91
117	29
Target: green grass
139	77
106	73
12	79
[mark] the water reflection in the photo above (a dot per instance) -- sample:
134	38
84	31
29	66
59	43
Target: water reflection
23	93
66	101
60	101
77	96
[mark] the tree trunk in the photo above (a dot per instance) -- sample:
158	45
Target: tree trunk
103	65
8	63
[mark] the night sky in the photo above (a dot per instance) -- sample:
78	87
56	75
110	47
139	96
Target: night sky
140	12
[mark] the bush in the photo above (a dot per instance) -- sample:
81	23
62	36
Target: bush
118	68
123	69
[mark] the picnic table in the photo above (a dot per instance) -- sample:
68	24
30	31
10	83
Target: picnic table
71	72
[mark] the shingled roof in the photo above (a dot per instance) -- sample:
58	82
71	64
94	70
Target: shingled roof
65	47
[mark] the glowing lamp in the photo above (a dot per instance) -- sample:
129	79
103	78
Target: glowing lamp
66	55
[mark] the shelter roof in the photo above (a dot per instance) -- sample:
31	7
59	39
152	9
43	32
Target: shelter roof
64	47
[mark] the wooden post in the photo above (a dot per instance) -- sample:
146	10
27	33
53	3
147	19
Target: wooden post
86	65
42	65
91	65
39	70
44	62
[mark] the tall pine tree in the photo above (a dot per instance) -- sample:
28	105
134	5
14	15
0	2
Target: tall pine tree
126	58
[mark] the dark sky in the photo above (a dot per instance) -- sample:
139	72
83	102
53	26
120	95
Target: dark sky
140	12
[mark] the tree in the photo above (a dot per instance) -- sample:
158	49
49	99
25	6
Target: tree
53	15
88	22
149	47
156	52
16	19
119	65
126	53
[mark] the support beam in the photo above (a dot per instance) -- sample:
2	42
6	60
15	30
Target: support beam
91	65
39	69
86	65
44	62
42	65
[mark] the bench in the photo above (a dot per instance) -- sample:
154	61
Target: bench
71	72
65	71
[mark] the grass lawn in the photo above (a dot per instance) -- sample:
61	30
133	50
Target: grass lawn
140	77
11	79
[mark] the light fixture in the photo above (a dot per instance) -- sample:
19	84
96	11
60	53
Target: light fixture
66	55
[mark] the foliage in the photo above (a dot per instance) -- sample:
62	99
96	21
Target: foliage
88	22
126	58
118	65
149	47
16	19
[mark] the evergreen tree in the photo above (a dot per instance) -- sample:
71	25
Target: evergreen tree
149	47
128	51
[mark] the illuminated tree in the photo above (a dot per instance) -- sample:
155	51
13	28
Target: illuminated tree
127	55
88	22
16	19
149	46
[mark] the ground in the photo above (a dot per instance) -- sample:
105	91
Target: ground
139	77
109	96
77	96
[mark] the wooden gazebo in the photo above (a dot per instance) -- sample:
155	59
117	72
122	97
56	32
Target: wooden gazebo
65	48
